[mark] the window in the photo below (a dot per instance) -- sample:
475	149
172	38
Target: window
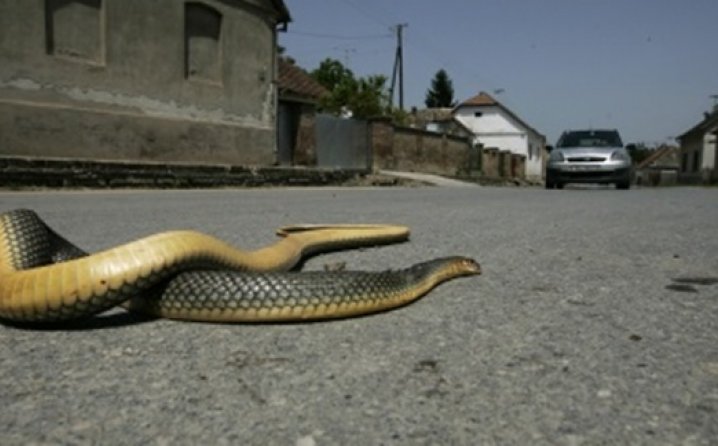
74	29
590	138
478	114
202	43
696	161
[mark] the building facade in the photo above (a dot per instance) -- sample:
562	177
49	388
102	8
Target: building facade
161	80
698	151
495	126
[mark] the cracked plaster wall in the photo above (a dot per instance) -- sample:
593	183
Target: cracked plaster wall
134	100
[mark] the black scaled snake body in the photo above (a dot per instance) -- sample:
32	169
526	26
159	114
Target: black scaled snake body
192	276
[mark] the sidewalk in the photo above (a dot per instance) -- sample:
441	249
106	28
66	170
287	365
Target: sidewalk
435	180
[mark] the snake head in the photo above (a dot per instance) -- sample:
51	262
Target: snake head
468	266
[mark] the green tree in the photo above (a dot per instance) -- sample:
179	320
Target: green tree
365	97
370	97
331	74
441	93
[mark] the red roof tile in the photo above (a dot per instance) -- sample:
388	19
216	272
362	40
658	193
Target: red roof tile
482	98
294	82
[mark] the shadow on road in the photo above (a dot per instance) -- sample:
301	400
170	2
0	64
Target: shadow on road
99	322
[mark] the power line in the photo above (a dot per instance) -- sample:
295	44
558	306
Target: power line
375	17
338	36
424	45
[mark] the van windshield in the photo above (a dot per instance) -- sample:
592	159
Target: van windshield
590	138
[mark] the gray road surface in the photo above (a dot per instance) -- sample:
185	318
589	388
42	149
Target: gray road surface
570	337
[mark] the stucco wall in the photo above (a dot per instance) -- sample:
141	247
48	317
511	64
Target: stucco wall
492	120
129	93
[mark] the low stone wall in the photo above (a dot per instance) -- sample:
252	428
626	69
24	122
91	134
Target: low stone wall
415	150
518	166
502	164
656	177
22	172
490	162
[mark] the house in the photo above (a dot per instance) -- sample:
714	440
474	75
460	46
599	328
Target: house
161	80
660	168
438	120
494	125
299	96
698	151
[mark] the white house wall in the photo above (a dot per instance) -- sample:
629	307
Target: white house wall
492	120
495	128
709	150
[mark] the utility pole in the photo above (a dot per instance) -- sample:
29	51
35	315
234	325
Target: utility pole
398	66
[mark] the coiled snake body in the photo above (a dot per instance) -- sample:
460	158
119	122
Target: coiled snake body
193	276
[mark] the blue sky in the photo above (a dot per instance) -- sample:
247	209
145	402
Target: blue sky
646	67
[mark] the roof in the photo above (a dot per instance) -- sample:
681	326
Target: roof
434	114
480	99
296	84
484	99
281	8
665	156
709	120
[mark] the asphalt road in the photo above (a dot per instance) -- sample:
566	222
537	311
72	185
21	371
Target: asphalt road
572	336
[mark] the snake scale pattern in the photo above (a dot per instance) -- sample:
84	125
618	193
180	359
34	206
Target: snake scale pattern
192	276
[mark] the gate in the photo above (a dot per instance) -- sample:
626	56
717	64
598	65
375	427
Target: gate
288	115
342	143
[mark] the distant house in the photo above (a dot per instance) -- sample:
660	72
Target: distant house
299	95
161	80
660	168
494	125
698	151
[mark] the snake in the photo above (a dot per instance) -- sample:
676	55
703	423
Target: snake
192	276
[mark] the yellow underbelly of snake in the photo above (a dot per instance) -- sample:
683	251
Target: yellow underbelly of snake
192	276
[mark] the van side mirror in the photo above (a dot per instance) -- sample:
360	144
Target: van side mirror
549	148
